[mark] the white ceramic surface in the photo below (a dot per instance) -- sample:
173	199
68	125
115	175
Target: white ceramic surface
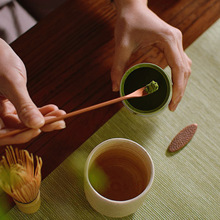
113	208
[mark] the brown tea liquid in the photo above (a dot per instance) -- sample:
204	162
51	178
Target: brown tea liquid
125	175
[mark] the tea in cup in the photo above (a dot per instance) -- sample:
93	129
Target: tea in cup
118	174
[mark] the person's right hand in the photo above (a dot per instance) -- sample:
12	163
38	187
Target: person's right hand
16	107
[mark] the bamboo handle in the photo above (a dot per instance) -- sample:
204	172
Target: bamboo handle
71	114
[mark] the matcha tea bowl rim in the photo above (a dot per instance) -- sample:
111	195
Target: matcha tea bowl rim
112	207
167	82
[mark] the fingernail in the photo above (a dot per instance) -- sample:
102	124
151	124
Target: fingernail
62	125
34	119
58	125
172	107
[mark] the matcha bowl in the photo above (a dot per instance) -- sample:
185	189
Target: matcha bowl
140	75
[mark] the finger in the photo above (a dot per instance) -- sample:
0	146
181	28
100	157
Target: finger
12	121
58	125
55	113
176	63
186	60
19	138
122	55
48	109
26	109
180	79
189	61
187	72
9	115
6	108
55	125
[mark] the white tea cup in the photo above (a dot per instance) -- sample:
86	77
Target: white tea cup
117	177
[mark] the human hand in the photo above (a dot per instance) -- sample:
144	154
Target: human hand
16	107
9	120
137	26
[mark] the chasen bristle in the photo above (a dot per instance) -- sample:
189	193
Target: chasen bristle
18	176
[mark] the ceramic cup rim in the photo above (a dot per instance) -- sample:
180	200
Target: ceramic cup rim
168	82
102	145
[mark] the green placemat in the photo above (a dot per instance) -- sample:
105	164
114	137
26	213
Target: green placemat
187	184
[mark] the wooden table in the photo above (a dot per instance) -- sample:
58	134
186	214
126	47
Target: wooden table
68	56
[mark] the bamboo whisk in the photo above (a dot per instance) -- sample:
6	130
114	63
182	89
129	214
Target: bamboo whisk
18	178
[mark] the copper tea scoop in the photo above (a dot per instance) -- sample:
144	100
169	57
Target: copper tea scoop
146	90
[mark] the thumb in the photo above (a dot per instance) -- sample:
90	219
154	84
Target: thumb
122	55
26	109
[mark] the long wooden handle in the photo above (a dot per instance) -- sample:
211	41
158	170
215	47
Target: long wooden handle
71	114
